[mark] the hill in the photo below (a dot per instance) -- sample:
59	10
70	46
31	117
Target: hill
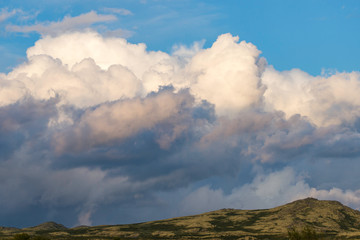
330	219
48	226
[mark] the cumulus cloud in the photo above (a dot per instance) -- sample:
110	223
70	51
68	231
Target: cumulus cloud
228	75
102	123
188	52
104	51
85	84
348	197
236	73
265	191
326	100
67	24
122	119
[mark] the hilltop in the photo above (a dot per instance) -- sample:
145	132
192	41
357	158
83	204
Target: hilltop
48	226
330	219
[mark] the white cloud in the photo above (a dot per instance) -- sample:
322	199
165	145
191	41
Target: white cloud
120	11
265	191
104	51
85	84
228	75
234	68
188	52
67	24
5	14
10	90
347	197
327	100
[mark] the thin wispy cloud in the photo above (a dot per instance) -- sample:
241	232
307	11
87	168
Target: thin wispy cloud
120	11
5	14
68	23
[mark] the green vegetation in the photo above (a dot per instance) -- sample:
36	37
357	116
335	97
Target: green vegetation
22	236
25	236
307	233
325	219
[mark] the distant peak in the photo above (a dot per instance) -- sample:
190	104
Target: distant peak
49	226
308	199
311	199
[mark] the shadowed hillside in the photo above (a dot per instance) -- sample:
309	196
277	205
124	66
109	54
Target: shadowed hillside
330	219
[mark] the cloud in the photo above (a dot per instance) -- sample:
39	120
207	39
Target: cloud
265	191
66	25
99	126
5	14
188	52
328	100
228	75
119	33
242	88
84	219
120	11
104	51
122	119
85	84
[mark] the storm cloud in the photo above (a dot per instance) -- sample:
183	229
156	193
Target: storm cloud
90	123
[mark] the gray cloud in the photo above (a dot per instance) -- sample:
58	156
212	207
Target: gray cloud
119	120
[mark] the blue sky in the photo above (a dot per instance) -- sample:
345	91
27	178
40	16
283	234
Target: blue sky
127	111
310	35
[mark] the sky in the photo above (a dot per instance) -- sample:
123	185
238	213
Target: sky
115	112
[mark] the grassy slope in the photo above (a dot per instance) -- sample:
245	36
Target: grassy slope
329	218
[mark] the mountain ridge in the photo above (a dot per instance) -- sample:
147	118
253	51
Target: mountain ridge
330	219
